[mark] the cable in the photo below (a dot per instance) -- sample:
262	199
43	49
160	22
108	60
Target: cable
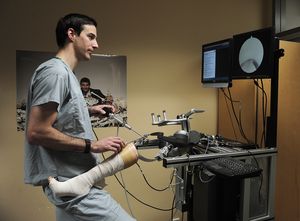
111	115
137	199
146	204
238	119
201	179
126	196
256	115
231	121
265	106
145	159
264	109
156	189
173	206
123	182
207	145
123	186
261	175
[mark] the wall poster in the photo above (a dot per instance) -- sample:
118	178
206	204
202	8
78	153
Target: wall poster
104	80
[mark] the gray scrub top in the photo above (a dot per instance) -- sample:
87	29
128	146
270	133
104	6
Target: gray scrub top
54	81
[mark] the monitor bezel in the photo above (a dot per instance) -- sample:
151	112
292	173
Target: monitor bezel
265	70
217	82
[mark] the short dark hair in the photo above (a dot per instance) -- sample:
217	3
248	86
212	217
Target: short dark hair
86	80
73	20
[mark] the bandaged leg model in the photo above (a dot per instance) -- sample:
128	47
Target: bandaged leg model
82	183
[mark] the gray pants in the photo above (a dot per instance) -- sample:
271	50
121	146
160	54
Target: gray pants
97	205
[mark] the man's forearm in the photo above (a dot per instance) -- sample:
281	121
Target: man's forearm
53	139
40	130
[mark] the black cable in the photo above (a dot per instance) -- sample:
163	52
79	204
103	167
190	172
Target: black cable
265	106
261	175
201	178
173	207
256	116
156	189
231	121
234	112
264	109
146	204
241	127
238	120
137	199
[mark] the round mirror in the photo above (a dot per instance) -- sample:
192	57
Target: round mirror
251	55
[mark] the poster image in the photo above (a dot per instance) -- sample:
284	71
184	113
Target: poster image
104	81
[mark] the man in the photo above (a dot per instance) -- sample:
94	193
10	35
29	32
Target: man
59	137
90	93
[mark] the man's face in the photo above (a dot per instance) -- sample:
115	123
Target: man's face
85	87
86	42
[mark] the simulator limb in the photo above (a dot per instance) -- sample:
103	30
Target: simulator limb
82	183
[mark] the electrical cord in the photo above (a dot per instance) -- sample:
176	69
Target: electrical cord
201	178
126	195
133	196
173	207
146	204
207	145
265	105
230	116
174	203
156	189
238	119
261	175
256	116
264	109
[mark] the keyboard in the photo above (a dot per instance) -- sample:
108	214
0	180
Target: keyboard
230	167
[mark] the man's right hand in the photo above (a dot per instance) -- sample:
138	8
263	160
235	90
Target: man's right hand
114	144
100	110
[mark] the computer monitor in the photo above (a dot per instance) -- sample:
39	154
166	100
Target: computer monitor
216	64
253	54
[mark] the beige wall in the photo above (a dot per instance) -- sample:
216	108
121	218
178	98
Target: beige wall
287	179
162	41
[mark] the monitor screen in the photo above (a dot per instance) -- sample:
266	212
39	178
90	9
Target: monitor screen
253	54
216	64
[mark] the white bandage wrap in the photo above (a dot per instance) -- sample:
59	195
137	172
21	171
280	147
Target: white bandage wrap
82	183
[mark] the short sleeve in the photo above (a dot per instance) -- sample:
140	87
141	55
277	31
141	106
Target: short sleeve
50	85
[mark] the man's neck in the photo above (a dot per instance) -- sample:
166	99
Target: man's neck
67	54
